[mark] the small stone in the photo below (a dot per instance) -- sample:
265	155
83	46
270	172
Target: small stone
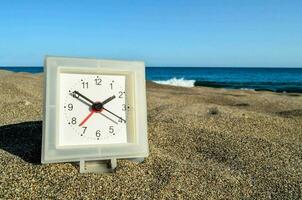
27	102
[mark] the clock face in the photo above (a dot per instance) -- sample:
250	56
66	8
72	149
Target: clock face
93	109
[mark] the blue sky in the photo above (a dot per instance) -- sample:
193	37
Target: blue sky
226	33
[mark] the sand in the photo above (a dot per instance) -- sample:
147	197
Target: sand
204	144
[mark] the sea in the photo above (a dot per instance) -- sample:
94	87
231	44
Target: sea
245	78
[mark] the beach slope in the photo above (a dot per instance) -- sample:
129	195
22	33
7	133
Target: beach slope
204	144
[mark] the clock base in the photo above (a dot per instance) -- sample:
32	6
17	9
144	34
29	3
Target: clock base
102	166
98	166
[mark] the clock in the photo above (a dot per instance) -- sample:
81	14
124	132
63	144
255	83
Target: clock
94	112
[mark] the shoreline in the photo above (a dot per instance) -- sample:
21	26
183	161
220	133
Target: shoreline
204	77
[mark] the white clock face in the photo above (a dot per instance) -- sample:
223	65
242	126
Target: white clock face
93	109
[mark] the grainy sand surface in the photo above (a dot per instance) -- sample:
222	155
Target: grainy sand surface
204	144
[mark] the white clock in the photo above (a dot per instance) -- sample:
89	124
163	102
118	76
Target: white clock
95	112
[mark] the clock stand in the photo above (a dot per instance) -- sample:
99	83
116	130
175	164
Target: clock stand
102	166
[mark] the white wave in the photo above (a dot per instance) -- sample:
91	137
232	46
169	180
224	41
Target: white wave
250	89
177	82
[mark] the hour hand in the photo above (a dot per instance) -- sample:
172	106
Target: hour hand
108	100
84	97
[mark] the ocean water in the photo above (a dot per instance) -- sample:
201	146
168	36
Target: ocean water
32	70
270	79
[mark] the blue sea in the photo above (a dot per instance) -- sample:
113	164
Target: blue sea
269	79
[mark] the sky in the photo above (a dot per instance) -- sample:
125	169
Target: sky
224	33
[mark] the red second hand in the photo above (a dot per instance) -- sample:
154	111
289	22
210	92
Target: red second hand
86	118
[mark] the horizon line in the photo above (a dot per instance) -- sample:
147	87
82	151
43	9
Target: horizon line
165	66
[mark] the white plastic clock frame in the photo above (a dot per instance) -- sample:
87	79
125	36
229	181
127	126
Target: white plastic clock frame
93	158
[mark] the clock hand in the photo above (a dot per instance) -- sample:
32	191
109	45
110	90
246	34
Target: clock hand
91	113
84	97
107	117
86	118
114	114
108	100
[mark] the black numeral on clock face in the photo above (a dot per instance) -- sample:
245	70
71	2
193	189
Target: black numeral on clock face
98	81
111	130
98	134
111	85
84	130
85	85
70	107
121	94
73	120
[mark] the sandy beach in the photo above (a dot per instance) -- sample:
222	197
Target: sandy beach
205	143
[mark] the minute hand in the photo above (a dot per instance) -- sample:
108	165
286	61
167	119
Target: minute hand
114	114
86	98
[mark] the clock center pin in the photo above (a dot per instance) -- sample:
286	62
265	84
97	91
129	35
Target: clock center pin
97	106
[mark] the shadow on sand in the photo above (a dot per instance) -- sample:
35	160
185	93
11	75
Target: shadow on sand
23	140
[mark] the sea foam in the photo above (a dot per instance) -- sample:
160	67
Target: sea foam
177	82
